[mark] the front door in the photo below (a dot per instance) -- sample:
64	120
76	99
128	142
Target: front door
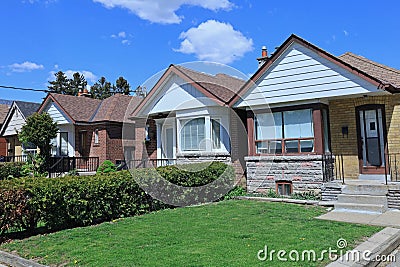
371	139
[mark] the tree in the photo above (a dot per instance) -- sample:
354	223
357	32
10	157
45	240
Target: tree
60	85
122	86
101	89
39	130
78	82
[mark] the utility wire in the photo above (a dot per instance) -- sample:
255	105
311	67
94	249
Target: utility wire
24	89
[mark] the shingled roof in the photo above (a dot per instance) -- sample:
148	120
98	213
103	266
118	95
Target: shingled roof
27	108
221	85
86	109
3	112
382	72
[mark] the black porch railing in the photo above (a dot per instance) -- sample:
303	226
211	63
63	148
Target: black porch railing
393	167
332	167
148	163
60	165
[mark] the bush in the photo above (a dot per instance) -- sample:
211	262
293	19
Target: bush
72	201
189	184
309	195
196	174
235	192
106	167
9	170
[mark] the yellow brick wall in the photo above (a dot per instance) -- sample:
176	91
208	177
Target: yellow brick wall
343	113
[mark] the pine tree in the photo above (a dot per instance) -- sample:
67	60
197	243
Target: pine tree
122	86
60	85
101	89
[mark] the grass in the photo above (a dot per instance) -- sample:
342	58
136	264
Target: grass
228	233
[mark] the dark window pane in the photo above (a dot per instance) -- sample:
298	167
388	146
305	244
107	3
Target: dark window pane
292	146
307	145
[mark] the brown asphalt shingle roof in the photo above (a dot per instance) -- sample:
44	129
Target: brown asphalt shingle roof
381	72
222	86
114	107
86	109
3	112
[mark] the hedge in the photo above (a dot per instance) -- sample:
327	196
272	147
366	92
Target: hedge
71	201
10	170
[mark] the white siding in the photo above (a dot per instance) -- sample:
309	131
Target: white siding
15	123
176	94
301	74
57	115
70	129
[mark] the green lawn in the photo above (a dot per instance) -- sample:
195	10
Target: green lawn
228	233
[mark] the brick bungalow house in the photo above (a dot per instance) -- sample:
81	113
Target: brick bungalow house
15	119
303	103
89	127
188	119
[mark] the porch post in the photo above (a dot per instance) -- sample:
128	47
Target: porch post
250	133
318	132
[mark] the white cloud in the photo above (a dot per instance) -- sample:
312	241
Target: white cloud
124	36
89	76
215	41
346	33
25	67
164	11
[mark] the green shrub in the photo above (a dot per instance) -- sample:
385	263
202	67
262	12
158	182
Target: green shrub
309	195
196	174
235	192
10	170
106	167
72	201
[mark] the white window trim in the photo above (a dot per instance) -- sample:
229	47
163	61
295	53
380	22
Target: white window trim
96	136
208	134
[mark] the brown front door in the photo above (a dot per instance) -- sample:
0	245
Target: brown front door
371	139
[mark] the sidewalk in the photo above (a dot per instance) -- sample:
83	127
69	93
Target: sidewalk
390	218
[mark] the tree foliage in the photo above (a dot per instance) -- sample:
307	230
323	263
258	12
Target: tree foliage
122	86
65	86
99	90
39	130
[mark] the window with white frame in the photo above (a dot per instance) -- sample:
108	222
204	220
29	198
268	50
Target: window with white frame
63	144
29	148
96	136
284	132
216	133
192	134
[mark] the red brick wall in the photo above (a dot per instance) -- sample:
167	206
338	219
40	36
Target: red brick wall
145	149
3	147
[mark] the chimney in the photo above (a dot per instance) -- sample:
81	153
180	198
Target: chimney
264	56
85	92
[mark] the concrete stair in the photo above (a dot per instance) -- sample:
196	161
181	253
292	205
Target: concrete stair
363	197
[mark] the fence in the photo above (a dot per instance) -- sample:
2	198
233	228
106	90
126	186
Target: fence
60	165
332	167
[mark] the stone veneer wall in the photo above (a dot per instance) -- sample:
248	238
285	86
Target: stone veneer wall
199	157
304	171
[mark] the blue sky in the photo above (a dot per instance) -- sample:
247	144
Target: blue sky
139	38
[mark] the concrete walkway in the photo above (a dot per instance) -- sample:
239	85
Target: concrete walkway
390	218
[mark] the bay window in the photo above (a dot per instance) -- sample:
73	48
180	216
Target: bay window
284	132
194	134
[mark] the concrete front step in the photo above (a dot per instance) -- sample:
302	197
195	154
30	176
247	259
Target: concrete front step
365	189
362	208
362	199
373	177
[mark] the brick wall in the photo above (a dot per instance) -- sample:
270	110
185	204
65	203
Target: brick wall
343	113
